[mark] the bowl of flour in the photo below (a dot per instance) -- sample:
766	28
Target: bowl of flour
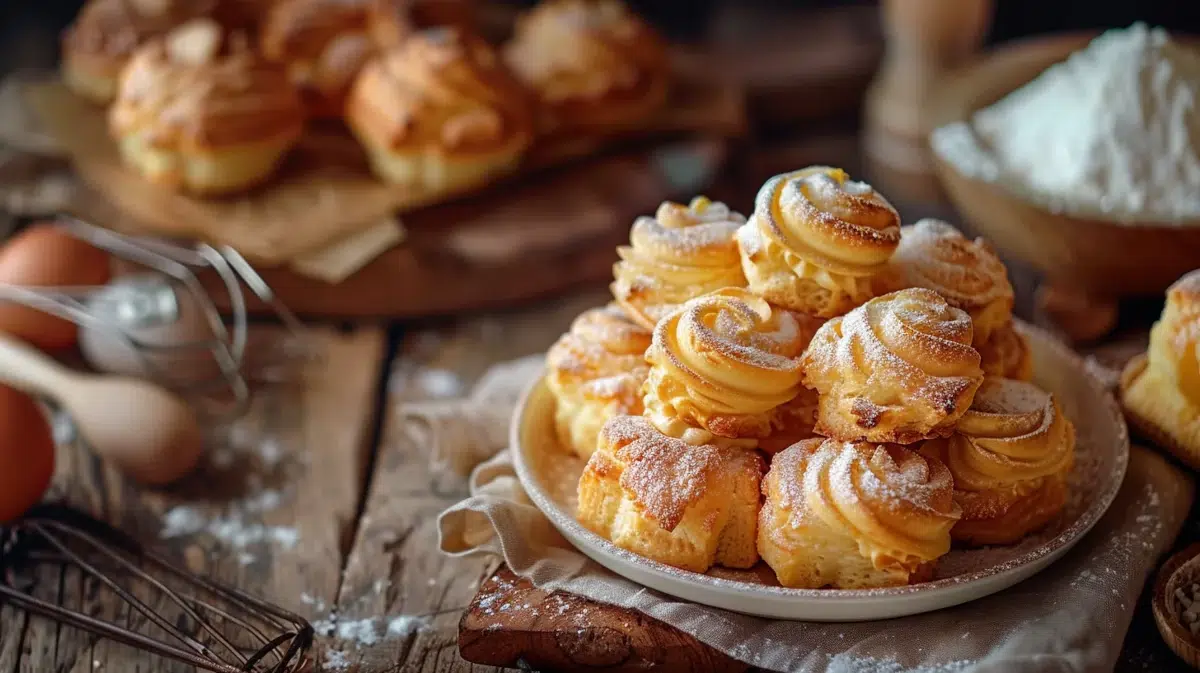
1080	154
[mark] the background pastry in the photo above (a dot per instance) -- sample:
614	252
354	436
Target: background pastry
1006	354
1161	390
596	371
816	240
899	368
198	110
677	503
722	365
1010	456
322	44
96	47
680	253
440	112
854	515
594	65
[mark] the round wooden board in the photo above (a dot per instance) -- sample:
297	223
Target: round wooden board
536	240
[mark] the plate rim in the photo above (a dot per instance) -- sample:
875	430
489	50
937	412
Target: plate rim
1043	554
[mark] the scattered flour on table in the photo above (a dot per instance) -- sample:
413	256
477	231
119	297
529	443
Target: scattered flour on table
1114	129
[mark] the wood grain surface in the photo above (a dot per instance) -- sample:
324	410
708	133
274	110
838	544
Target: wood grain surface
320	427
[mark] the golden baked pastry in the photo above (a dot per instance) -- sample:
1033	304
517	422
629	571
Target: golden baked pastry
722	365
1006	354
98	44
968	274
440	112
1010	457
596	371
685	505
680	253
816	240
854	515
899	368
594	65
322	44
1160	391
198	110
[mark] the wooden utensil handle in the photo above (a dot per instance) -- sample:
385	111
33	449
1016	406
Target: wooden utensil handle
27	368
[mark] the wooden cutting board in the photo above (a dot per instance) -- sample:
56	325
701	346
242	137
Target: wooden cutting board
535	240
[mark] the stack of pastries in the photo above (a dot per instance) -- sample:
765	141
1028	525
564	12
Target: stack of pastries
436	107
818	387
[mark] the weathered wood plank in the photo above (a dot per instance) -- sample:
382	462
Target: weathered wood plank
299	471
394	571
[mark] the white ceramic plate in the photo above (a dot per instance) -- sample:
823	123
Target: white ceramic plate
549	475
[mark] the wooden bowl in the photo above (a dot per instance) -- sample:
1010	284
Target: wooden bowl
1096	254
1182	569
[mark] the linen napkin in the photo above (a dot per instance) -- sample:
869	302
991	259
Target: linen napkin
1070	617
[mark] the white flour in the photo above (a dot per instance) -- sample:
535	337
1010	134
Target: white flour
1114	130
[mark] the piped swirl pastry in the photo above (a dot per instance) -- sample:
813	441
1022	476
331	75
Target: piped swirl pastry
899	368
685	505
1010	456
968	274
199	110
596	371
440	112
1160	390
680	253
722	366
322	44
594	65
854	515
816	240
105	34
1006	354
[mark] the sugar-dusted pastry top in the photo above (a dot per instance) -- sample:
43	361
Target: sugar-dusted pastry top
586	50
1013	433
679	253
115	28
968	274
897	504
323	43
898	368
602	350
1174	350
816	240
200	87
664	475
724	363
441	88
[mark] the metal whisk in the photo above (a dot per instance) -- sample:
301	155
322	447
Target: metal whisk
171	612
168	291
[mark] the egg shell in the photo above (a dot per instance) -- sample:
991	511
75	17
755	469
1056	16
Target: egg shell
26	453
43	255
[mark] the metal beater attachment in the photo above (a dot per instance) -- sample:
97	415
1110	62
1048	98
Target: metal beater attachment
166	610
159	321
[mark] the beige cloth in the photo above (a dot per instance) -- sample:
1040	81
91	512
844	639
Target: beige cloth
1071	617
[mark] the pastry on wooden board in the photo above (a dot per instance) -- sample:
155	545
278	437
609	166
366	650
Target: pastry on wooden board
594	65
687	505
104	35
855	515
596	371
899	368
723	369
816	240
199	111
1160	390
1010	455
440	112
679	253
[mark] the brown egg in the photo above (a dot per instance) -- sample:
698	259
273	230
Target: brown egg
26	453
44	255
